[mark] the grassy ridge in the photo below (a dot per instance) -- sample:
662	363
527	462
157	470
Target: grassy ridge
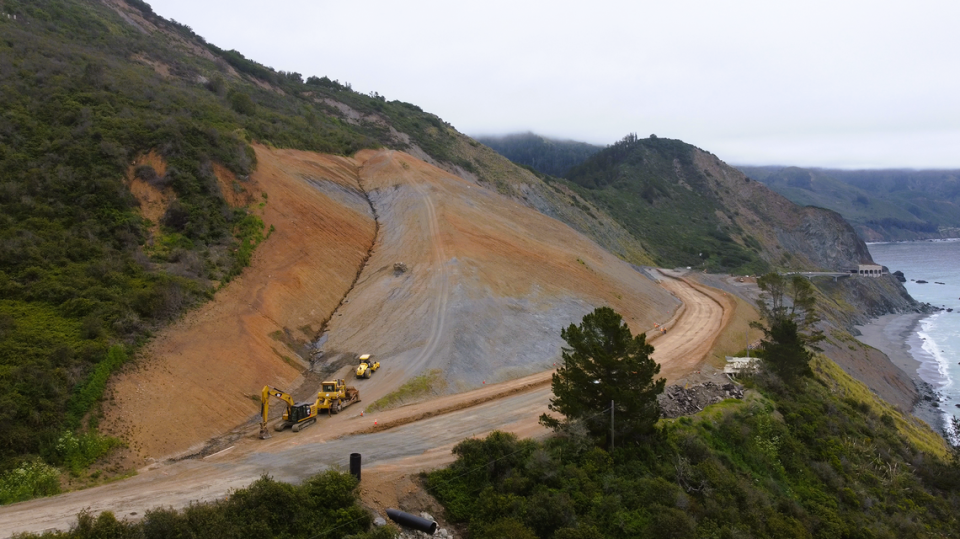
652	187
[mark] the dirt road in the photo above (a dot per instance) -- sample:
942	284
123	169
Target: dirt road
404	440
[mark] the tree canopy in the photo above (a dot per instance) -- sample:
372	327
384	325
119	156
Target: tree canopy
787	307
603	362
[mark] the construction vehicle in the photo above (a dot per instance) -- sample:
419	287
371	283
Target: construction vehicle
367	366
335	395
297	415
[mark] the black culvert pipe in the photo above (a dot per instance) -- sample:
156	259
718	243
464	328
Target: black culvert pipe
355	465
411	521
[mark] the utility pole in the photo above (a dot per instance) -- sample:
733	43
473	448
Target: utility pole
611	427
748	343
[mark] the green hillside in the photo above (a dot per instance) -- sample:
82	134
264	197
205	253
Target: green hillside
546	155
691	209
653	187
881	204
825	459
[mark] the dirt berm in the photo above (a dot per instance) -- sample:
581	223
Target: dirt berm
489	285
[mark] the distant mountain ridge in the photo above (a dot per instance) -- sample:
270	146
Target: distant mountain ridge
882	205
692	209
546	155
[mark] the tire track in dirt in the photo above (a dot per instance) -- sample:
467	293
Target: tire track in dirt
440	272
692	333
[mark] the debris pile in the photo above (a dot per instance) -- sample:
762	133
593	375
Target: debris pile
678	401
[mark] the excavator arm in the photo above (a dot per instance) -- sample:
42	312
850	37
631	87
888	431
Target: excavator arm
265	395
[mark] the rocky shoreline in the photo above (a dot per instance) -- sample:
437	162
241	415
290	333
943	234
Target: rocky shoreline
889	334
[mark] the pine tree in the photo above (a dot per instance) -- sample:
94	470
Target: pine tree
604	362
787	306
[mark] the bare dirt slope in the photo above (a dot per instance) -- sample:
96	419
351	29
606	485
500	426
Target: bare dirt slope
489	285
490	282
198	376
394	444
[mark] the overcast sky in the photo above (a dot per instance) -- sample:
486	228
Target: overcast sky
813	83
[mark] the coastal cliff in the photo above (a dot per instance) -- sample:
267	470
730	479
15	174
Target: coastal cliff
882	363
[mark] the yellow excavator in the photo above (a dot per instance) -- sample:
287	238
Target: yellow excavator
297	415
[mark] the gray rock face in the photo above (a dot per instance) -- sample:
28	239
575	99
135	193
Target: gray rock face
825	239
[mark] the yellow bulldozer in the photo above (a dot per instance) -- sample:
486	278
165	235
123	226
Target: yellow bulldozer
335	395
367	366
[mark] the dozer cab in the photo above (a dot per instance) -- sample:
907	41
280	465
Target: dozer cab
298	416
367	366
335	395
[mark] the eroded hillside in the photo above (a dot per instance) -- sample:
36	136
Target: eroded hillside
487	285
204	372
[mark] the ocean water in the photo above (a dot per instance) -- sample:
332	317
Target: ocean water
936	344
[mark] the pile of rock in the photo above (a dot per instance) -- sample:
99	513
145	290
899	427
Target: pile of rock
678	401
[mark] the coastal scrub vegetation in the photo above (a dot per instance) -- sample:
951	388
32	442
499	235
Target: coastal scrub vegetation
816	461
324	506
892	205
641	182
809	452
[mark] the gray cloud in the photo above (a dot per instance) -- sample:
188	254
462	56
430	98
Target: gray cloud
844	84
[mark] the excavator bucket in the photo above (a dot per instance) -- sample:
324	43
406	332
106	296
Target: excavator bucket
264	431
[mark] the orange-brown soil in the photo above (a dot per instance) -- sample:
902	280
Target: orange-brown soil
153	201
200	376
